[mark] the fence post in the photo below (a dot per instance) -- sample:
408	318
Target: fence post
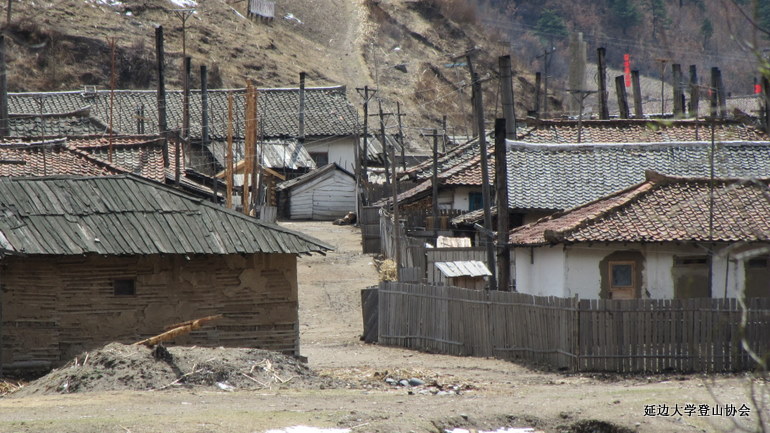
576	333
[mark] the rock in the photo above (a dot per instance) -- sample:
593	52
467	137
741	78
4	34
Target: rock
416	382
403	382
390	381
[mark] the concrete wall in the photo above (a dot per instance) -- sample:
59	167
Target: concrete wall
55	308
574	270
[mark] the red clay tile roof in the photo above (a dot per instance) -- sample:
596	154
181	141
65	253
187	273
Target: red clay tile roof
661	209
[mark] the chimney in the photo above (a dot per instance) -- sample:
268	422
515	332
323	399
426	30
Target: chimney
301	135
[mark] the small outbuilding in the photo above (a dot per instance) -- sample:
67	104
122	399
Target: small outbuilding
89	260
324	194
470	274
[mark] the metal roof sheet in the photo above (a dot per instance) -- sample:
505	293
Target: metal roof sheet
127	215
469	268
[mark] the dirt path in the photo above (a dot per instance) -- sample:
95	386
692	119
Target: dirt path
492	393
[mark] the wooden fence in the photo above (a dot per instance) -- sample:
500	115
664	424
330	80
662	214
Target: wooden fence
624	336
369	221
434	255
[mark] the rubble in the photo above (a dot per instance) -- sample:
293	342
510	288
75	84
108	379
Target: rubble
116	367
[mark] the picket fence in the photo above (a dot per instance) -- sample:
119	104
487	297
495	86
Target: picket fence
623	336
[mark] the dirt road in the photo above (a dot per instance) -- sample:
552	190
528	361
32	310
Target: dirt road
478	393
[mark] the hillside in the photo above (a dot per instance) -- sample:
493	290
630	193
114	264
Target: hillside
400	47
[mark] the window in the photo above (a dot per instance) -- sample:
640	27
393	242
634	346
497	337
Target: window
691	276
622	274
475	201
757	274
124	287
320	158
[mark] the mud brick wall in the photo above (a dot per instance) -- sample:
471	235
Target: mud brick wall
54	308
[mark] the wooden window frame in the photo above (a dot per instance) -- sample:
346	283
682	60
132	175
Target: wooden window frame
612	263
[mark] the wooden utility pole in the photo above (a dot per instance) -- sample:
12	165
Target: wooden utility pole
444	137
538	79
604	111
662	82
620	89
501	185
766	105
720	87
162	126
301	132
676	72
4	127
472	73
365	146
484	156
581	96
186	99
713	93
396	222
400	136
508	104
637	86
229	157
205	123
434	184
111	42
385	147
694	92
249	145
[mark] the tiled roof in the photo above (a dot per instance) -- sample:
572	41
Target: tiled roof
57	125
466	172
50	158
661	209
142	156
127	215
560	177
327	110
634	131
748	104
454	156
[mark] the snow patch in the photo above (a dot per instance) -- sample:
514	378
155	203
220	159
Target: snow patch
305	429
500	430
185	4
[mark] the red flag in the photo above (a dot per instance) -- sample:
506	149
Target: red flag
627	68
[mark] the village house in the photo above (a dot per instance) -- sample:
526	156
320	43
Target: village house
90	260
329	128
327	193
664	238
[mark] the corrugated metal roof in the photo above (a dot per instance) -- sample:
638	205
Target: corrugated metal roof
127	215
307	177
276	154
469	268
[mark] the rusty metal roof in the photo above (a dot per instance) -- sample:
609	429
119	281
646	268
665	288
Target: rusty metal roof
128	215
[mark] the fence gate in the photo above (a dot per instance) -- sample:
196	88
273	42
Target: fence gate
370	229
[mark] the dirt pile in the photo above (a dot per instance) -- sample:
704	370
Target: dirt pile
117	367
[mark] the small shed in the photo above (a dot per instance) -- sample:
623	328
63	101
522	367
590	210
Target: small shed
324	194
469	274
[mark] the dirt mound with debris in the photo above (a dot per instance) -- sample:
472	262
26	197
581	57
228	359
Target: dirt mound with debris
117	367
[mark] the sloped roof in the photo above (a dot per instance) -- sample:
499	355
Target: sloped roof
55	125
327	110
127	215
633	131
465	172
560	177
661	209
276	154
307	177
467	268
48	158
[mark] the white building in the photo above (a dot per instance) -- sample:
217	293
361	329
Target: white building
663	238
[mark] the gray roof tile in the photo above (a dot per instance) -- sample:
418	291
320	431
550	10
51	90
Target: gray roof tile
127	215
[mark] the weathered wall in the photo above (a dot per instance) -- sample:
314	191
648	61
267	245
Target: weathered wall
55	307
340	150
